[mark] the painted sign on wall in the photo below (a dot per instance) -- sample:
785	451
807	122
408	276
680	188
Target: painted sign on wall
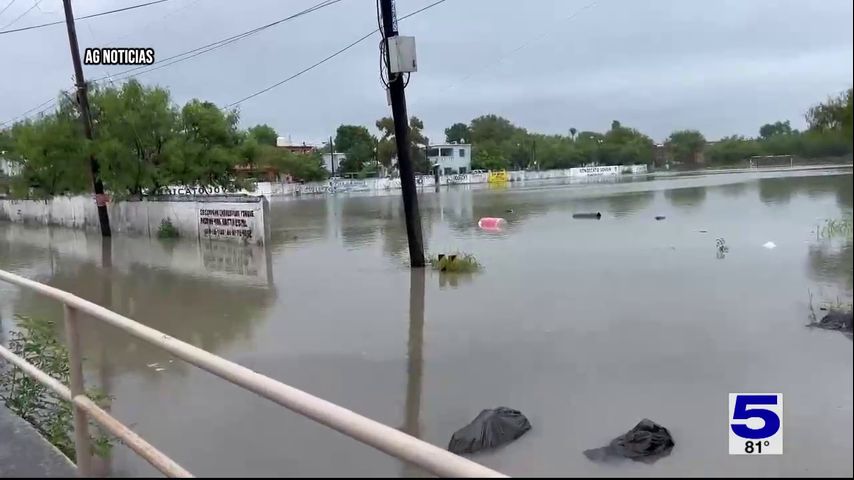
227	223
594	171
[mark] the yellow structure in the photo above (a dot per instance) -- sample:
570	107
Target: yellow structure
500	176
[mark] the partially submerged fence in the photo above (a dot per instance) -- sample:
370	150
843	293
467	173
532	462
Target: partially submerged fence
382	437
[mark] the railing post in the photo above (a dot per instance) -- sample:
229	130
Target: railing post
77	387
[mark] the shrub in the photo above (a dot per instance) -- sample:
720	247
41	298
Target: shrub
455	263
36	342
167	229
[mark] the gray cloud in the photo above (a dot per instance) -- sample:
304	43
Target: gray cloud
723	67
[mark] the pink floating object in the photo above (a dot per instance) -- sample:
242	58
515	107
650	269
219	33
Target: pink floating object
491	223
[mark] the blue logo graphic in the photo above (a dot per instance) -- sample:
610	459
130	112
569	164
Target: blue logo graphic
744	412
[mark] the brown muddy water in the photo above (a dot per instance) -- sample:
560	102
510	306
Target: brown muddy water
585	326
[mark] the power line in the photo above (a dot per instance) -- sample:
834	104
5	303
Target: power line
184	55
36	4
504	57
132	7
7	7
330	57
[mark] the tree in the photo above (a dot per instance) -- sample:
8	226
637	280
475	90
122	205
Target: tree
491	127
458	132
489	157
835	114
264	134
204	152
358	144
686	145
572	132
55	156
777	128
134	124
306	167
387	146
734	149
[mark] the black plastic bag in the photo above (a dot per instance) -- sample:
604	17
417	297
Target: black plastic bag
490	429
836	320
647	442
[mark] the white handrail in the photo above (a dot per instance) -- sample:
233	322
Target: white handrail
382	437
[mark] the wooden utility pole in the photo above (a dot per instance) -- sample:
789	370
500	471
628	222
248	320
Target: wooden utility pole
85	118
401	135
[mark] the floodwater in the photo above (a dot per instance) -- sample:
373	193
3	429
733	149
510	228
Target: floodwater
586	326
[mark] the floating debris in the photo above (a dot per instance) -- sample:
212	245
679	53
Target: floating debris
769	245
647	442
597	215
152	365
491	224
160	369
660	217
490	429
835	320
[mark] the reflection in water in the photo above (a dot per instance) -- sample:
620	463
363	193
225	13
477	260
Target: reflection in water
779	191
414	362
686	198
775	191
830	261
734	189
626	204
583	335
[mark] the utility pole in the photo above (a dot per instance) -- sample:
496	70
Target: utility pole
401	135
331	156
83	105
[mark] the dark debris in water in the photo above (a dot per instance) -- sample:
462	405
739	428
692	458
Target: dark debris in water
646	442
835	320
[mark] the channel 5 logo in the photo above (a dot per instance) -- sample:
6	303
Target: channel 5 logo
755	423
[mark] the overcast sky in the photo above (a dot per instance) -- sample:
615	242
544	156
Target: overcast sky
723	67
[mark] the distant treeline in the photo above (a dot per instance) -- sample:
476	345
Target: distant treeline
144	141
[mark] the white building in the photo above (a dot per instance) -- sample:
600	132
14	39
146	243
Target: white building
332	162
8	168
452	158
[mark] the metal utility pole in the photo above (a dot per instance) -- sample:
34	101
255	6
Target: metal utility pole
401	135
83	104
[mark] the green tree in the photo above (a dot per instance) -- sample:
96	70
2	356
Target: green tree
134	124
491	127
458	132
205	150
489	157
572	132
358	144
777	128
835	114
54	156
686	145
387	146
734	149
264	134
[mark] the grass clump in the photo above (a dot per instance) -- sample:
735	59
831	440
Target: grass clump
35	341
454	263
841	228
167	229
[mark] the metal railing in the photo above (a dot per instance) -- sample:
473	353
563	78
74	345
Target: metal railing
382	437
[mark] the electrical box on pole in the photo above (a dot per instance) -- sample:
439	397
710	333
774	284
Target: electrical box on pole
401	54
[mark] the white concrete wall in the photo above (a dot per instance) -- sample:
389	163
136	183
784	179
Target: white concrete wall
234	262
238	219
268	189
